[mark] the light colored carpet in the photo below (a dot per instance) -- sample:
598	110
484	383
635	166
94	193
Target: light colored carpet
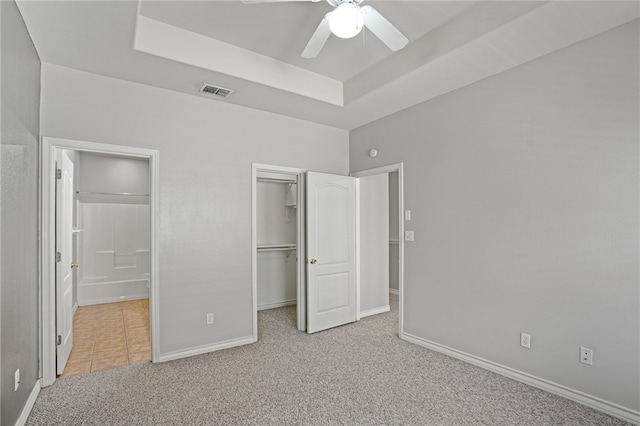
358	374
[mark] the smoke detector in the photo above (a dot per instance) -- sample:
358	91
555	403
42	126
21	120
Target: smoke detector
216	90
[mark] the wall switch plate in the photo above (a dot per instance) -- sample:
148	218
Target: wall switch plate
210	318
408	236
16	381
586	356
407	215
525	340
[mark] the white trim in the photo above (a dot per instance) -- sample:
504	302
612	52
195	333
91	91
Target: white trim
254	254
47	249
394	291
391	168
26	410
302	251
266	306
198	350
401	248
114	299
594	402
301	298
358	313
375	311
74	309
398	167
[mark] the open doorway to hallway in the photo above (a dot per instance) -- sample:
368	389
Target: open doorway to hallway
381	239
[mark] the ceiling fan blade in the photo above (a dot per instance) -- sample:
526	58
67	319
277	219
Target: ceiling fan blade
383	29
274	1
318	39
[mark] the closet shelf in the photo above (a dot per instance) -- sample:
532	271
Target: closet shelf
129	194
276	180
276	247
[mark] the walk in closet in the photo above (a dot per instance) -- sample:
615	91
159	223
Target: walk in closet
276	223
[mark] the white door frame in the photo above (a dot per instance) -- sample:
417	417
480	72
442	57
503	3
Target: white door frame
47	248
398	167
301	297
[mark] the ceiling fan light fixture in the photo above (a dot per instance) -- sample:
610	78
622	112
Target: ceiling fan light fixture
346	20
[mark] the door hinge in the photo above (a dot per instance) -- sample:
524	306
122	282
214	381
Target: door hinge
59	340
58	174
58	256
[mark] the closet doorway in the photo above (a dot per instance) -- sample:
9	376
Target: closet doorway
377	211
278	241
103	243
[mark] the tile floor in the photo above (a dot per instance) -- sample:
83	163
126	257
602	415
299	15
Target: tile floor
109	336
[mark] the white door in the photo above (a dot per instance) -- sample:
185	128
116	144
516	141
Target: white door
331	251
64	280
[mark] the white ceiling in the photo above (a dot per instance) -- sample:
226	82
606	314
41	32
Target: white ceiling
281	30
254	49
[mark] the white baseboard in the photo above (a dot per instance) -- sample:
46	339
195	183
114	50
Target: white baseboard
88	302
394	291
198	350
94	293
24	416
266	306
591	401
374	311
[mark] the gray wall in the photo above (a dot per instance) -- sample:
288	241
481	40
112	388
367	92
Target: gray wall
524	197
110	174
20	82
206	150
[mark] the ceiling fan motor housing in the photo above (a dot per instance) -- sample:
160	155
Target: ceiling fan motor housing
346	20
354	19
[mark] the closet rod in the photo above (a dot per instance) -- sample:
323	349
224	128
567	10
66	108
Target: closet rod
131	194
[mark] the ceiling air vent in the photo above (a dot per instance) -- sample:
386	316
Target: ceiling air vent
215	90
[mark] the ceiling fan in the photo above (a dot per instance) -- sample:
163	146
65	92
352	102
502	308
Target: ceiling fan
346	21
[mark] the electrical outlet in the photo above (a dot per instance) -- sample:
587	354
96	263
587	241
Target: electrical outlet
16	381
586	356
407	215
525	340
210	318
408	235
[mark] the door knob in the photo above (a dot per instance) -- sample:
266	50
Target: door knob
74	265
313	261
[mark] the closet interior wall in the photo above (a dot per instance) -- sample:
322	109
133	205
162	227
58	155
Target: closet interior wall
276	204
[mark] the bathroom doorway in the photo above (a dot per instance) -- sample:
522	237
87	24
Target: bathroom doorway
107	317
